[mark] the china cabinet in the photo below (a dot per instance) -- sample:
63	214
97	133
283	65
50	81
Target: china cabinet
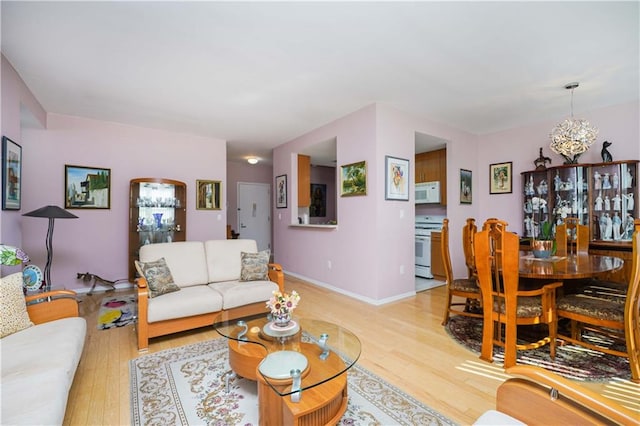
157	214
600	195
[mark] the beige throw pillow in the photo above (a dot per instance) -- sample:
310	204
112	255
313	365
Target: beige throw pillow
13	309
158	276
255	266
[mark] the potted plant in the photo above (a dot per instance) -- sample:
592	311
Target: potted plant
543	243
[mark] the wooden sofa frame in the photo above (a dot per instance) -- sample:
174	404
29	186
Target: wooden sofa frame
161	328
52	305
544	398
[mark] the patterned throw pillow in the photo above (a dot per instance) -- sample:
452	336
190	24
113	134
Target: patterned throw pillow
13	309
158	276
255	266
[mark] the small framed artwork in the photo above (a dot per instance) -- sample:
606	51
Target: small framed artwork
208	195
466	192
396	182
318	207
353	179
500	178
11	174
87	187
281	192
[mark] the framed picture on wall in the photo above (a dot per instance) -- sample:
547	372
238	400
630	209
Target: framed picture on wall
500	178
11	174
466	193
87	187
396	182
208	194
353	179
281	192
318	207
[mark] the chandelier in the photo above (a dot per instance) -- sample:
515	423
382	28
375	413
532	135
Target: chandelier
573	136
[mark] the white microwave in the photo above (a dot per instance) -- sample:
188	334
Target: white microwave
428	193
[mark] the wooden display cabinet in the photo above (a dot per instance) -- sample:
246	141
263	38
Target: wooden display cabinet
157	214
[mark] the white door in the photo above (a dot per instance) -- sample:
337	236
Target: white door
254	213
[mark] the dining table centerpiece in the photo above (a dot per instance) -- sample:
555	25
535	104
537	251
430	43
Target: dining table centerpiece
543	244
281	306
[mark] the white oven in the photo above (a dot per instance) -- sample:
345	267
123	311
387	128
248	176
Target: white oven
424	226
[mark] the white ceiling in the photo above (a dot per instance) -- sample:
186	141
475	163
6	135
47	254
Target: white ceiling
259	74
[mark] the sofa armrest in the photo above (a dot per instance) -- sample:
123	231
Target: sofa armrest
143	313
52	305
276	275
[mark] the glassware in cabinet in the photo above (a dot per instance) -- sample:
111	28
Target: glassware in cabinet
157	214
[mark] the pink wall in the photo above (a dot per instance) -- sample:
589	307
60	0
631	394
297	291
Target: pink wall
16	97
97	241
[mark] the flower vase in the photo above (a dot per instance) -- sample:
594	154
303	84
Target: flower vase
542	248
282	319
158	218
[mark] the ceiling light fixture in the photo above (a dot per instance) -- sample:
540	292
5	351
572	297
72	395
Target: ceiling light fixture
572	137
252	160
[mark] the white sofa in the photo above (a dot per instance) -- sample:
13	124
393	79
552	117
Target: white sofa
39	362
208	275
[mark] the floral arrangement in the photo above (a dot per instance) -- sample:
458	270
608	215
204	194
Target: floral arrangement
283	303
10	255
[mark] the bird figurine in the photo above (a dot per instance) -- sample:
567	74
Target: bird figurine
541	161
606	155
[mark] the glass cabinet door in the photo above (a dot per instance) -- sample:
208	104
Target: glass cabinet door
535	189
569	193
613	188
157	214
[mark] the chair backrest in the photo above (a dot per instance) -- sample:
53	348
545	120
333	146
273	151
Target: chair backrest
444	248
468	233
497	263
632	306
571	229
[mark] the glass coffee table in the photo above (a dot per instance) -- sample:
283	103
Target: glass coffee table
300	369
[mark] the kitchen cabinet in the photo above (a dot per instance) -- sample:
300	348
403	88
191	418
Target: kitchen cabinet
432	166
157	214
600	195
437	265
304	180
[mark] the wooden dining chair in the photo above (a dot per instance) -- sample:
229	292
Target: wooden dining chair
608	317
572	237
466	288
506	306
468	233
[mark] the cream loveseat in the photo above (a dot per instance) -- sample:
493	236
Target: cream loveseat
41	346
208	275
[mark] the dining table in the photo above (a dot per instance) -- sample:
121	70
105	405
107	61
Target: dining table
569	267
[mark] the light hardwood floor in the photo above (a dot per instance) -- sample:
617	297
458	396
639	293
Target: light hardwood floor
402	342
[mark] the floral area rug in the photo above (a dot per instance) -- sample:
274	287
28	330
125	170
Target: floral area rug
186	386
117	311
571	361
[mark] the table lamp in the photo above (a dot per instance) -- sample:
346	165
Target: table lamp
52	213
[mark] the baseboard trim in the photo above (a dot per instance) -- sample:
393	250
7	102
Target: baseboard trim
375	302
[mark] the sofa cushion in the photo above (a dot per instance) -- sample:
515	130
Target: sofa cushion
186	260
13	309
158	276
193	300
223	258
236	293
254	266
39	364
